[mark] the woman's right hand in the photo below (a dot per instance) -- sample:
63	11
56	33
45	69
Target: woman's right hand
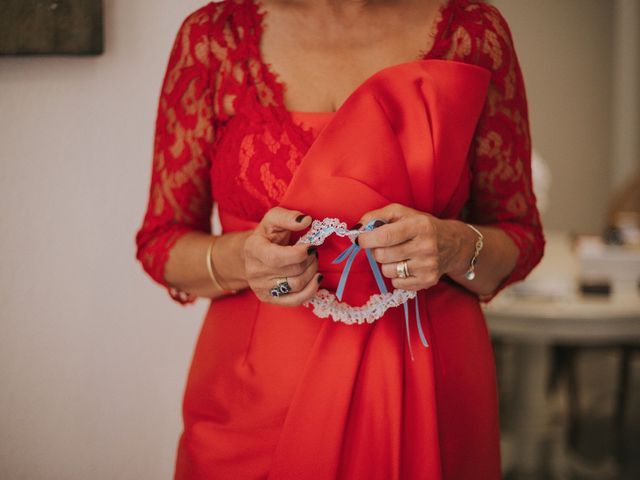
269	257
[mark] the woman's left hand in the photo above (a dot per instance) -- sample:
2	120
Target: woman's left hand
431	246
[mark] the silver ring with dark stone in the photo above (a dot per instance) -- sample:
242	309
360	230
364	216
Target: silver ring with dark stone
281	288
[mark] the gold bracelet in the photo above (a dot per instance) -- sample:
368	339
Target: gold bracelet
214	280
470	274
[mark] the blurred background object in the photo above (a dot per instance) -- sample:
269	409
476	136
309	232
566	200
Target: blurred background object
546	330
541	175
623	219
567	338
29	27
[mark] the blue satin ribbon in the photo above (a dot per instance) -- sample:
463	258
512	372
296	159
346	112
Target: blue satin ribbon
349	254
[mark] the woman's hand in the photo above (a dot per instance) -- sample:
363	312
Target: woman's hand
268	257
432	247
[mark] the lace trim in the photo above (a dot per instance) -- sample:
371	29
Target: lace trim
277	87
326	304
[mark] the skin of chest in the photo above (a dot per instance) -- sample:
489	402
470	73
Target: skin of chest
322	51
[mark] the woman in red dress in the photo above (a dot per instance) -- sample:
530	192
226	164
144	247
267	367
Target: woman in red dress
413	113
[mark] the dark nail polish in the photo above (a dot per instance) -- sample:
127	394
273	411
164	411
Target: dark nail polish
320	277
356	241
356	226
378	223
317	254
312	249
299	218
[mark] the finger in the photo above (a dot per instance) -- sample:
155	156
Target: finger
413	283
297	282
386	235
397	253
389	213
425	280
390	270
278	257
298	298
294	269
279	219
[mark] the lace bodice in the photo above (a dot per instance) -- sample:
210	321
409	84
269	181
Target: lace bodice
223	133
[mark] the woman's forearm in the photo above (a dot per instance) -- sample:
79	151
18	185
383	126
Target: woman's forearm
186	267
496	260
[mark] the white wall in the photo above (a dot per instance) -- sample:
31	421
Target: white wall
93	356
565	51
625	121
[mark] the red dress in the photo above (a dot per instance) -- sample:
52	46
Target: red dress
276	392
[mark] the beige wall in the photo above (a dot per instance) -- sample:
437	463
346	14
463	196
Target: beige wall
564	47
625	125
93	356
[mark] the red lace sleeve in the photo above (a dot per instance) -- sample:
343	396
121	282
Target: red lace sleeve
180	198
501	191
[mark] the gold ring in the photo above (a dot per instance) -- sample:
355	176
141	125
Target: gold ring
402	269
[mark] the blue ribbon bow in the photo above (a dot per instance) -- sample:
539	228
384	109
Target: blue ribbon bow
350	254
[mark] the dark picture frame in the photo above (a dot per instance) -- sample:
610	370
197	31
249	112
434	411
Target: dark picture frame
53	27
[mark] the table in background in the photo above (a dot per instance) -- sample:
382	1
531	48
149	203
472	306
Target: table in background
535	324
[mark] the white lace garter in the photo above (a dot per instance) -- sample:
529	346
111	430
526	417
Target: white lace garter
326	304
